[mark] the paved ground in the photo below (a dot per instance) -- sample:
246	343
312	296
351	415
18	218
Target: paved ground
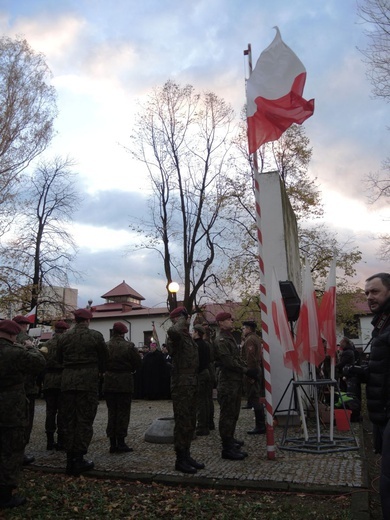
151	461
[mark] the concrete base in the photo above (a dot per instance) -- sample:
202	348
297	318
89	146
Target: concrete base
161	431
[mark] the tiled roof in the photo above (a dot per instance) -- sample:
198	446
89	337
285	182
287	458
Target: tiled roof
123	289
144	311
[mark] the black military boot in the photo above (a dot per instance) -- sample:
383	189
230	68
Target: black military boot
259	428
113	445
50	441
192	462
122	447
60	443
81	465
182	464
230	451
28	459
70	460
8	500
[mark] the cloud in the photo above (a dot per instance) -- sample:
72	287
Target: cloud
113	209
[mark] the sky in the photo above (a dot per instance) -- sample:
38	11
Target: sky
106	56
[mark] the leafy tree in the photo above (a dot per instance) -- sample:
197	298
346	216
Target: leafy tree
290	155
183	139
27	112
42	251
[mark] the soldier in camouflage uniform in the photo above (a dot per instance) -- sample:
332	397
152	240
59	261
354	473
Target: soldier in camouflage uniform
83	353
30	382
52	389
252	354
204	382
209	339
230	382
15	362
124	360
184	381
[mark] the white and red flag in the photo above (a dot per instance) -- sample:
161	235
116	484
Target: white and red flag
274	94
308	340
31	315
282	327
327	311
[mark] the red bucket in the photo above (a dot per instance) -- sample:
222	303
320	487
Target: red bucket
343	419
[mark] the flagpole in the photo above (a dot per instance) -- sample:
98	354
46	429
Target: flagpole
263	301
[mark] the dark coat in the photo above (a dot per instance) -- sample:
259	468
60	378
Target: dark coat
378	374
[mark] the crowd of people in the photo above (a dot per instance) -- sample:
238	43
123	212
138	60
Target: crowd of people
192	365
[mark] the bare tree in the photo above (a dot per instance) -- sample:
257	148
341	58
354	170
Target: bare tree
41	253
376	13
183	139
27	112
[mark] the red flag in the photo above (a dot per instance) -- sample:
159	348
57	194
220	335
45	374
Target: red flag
274	94
282	327
327	311
308	341
31	315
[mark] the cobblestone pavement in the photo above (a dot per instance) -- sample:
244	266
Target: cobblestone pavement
152	461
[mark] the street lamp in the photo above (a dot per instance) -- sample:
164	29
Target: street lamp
173	288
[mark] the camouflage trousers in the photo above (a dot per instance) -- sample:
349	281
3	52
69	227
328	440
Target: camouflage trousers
118	407
12	442
229	399
53	421
203	414
184	399
78	410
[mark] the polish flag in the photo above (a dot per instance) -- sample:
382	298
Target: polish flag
327	311
31	315
274	94
308	341
282	327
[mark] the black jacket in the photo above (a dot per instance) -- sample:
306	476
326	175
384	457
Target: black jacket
378	373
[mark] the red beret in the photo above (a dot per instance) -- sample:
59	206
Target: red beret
222	316
61	325
85	314
10	327
120	327
21	319
179	311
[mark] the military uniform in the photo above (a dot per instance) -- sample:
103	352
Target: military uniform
230	382
184	381
124	359
83	353
252	353
16	361
52	395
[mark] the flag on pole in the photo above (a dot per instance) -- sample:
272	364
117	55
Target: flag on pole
155	336
327	311
274	94
282	327
308	341
32	315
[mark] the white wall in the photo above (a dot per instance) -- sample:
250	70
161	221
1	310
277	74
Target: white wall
137	325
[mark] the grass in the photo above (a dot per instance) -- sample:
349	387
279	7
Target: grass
52	496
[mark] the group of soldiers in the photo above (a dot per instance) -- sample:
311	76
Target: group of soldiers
74	360
190	382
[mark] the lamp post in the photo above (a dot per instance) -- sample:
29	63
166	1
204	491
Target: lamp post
173	288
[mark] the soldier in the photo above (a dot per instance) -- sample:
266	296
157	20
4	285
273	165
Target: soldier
15	362
208	338
52	389
230	381
124	360
83	353
204	382
30	382
252	352
184	381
